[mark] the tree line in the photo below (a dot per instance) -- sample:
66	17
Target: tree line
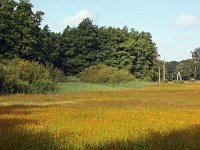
189	69
76	48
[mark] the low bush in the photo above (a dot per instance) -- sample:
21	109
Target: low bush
105	74
56	74
43	87
21	76
147	78
72	79
178	81
165	81
32	72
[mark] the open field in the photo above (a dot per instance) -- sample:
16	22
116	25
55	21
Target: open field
156	117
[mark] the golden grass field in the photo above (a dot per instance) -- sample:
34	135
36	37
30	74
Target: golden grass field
156	117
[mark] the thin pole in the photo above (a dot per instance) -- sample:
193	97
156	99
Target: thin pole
164	70
158	69
159	73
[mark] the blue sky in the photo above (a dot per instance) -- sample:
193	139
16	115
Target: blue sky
174	24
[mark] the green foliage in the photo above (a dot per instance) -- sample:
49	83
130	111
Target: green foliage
178	82
7	37
171	70
48	47
196	60
105	74
197	71
196	55
79	47
32	71
185	67
76	48
56	74
121	48
20	76
148	79
19	29
43	87
72	79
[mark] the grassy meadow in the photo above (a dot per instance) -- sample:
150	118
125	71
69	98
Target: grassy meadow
150	117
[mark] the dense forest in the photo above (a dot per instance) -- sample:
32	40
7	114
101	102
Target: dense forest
76	48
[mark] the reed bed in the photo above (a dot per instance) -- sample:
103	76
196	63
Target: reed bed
158	117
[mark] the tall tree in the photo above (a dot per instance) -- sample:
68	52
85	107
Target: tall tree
145	51
196	60
186	68
80	46
7	35
171	71
26	30
117	54
48	46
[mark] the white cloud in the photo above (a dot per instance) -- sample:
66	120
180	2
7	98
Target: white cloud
76	19
185	21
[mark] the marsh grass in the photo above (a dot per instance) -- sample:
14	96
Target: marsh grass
85	87
157	117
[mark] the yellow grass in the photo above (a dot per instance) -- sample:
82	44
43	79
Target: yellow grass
162	117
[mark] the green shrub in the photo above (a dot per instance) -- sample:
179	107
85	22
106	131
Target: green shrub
10	78
43	87
10	84
165	81
21	76
147	78
178	81
72	79
1	76
32	71
56	74
24	87
105	74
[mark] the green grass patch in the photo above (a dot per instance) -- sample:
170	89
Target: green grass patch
88	87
